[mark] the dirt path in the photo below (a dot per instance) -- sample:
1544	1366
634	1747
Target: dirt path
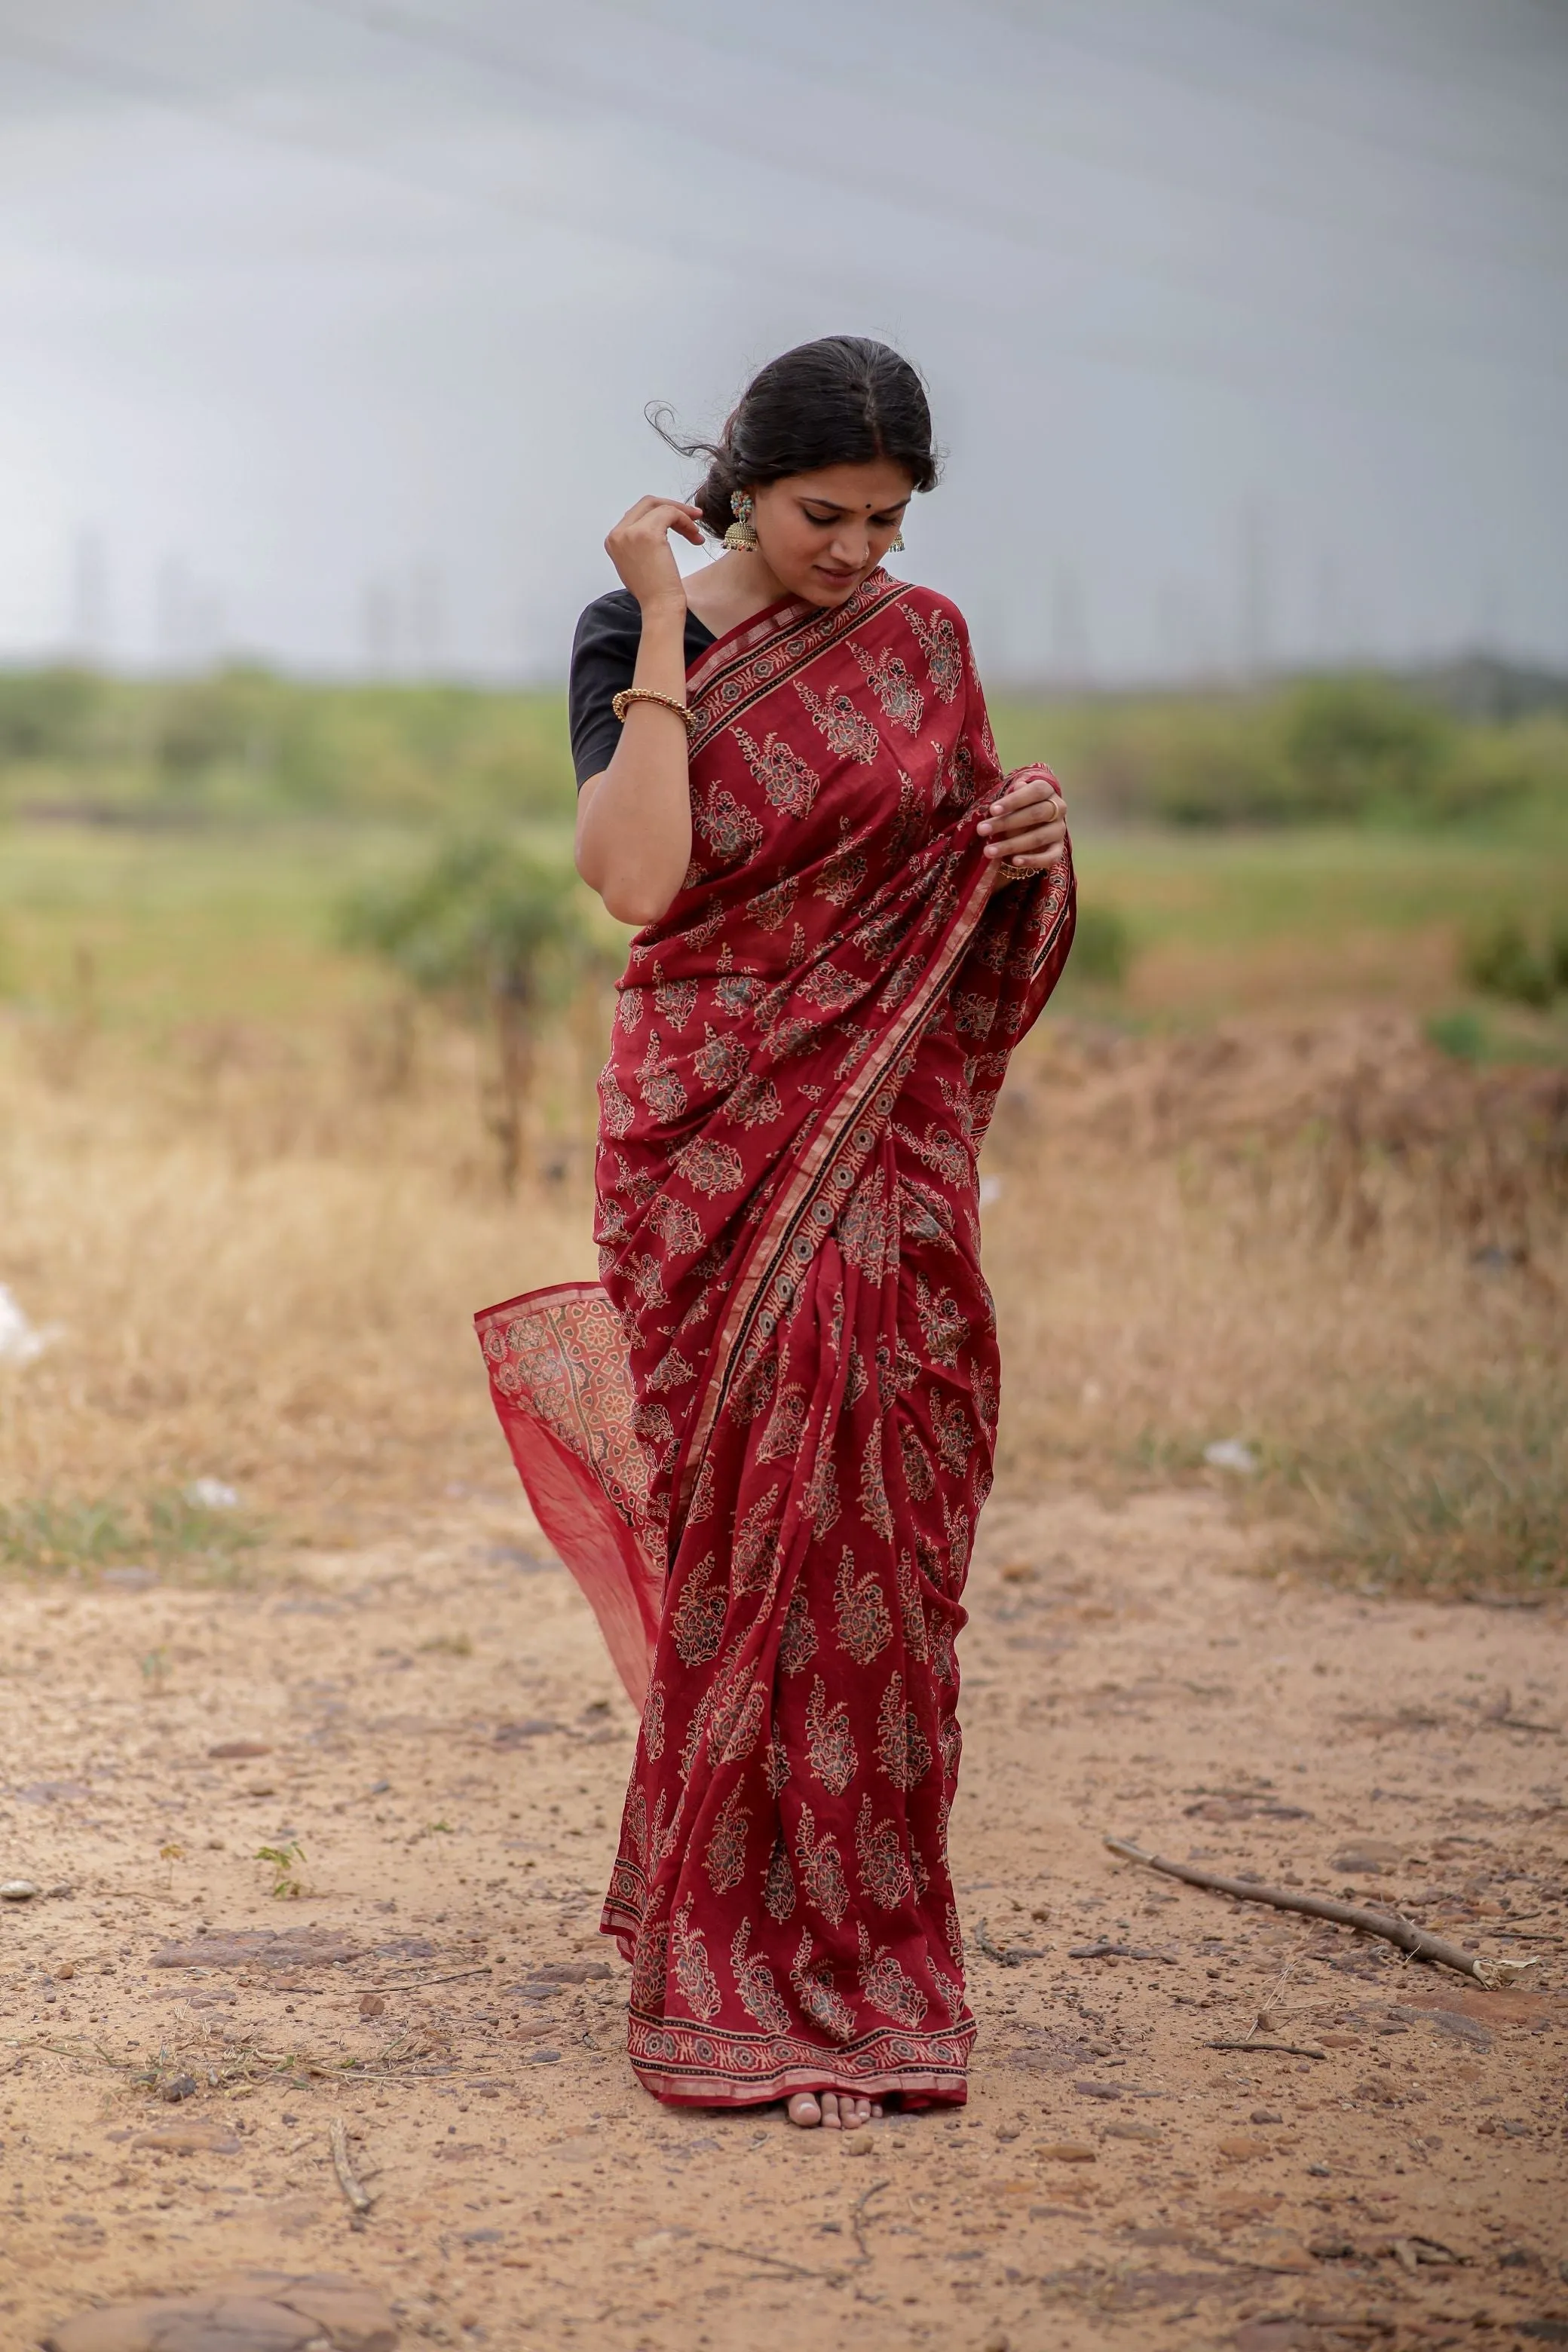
445	1742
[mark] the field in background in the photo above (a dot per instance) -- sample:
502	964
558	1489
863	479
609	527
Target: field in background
1274	1170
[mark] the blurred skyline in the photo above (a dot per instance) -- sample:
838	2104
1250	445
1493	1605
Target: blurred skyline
330	323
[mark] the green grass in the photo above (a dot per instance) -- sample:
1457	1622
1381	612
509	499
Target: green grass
1239	889
165	1531
148	932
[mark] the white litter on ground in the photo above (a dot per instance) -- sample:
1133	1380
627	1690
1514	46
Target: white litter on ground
212	1494
21	1342
1231	1454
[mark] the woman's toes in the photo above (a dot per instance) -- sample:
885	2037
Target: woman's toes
803	2110
853	2112
832	2111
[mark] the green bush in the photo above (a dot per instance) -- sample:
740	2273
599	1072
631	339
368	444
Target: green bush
1501	960
495	934
48	714
1557	953
1353	745
1101	946
1461	1034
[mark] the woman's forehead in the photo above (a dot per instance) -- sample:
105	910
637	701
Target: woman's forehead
878	483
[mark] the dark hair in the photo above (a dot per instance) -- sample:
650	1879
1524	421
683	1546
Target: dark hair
841	401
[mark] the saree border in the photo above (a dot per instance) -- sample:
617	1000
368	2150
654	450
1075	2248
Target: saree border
719	689
684	2062
1064	913
763	1289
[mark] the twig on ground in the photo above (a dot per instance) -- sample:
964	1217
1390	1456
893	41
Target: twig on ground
1006	1957
858	2216
1108	1951
358	2195
1268	2015
416	1984
1391	1926
773	2262
1280	2049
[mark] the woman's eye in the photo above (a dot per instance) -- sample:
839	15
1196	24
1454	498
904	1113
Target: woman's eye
820	523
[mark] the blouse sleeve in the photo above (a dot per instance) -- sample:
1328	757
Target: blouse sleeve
604	658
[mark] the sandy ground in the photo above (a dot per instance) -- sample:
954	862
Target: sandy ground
445	1740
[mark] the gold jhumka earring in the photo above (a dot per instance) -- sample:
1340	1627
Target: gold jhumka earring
898	546
742	535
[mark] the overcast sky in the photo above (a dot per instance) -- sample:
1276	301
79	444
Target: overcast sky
329	324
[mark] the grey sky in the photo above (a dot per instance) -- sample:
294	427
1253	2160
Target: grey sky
327	324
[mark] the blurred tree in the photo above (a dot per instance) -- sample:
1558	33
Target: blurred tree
1356	743
1501	962
47	714
200	724
492	932
1101	946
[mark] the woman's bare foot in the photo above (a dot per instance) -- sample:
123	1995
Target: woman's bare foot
832	2110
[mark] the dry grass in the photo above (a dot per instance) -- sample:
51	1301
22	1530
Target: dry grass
263	1265
1327	1243
263	1246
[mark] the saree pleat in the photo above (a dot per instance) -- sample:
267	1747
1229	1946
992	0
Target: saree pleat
764	1445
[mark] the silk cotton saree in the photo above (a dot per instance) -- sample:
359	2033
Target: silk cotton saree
762	1442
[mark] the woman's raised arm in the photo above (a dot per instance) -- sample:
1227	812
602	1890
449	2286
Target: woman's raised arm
634	821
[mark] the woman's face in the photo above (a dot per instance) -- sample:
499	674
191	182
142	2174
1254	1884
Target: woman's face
821	533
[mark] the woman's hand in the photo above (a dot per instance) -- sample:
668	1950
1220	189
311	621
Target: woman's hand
1027	824
640	549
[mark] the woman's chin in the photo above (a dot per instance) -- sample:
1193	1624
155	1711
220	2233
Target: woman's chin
829	594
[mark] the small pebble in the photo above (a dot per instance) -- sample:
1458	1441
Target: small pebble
1069	2151
183	2086
1265	2116
17	1890
372	2004
858	2143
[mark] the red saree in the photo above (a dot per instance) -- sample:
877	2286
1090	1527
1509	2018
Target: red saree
762	1445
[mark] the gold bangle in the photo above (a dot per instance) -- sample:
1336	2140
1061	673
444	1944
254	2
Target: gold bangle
1012	872
621	703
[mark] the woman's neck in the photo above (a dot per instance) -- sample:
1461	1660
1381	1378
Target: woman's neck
732	590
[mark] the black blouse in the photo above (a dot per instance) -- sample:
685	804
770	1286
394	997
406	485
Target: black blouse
603	656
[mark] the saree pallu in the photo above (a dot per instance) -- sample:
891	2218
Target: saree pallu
762	1443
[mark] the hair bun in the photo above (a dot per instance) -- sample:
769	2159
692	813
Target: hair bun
842	400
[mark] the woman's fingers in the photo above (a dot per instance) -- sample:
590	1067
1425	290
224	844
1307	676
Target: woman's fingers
652	505
651	519
1021	793
1035	860
639	546
1007	818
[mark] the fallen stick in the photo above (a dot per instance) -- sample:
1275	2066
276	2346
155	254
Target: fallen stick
1104	1951
1006	1956
412	1984
774	2261
1394	1928
358	2195
1281	2049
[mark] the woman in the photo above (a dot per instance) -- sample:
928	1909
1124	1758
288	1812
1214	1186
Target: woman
763	1444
